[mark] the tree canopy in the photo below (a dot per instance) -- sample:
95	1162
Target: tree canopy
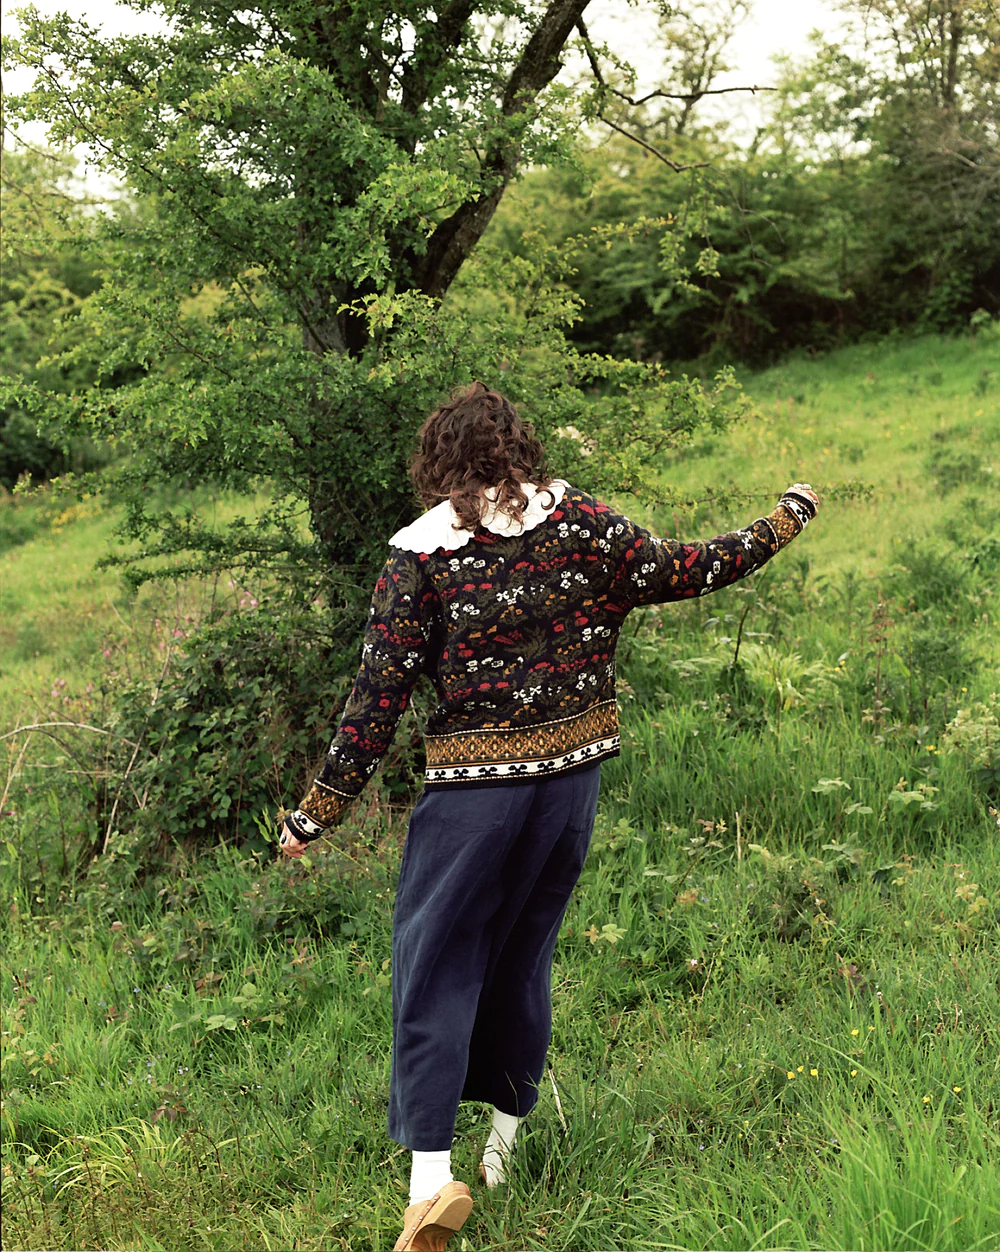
303	283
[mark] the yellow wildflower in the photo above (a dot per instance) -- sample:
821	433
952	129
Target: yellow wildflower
927	1099
791	1073
854	1073
956	1090
855	1033
814	1073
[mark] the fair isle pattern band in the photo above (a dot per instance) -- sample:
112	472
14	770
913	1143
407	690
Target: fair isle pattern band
784	524
589	753
321	808
801	508
523	745
304	826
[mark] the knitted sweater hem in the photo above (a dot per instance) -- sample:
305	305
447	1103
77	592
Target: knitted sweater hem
487	780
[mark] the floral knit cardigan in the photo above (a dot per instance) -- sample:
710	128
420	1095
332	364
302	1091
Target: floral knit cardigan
516	627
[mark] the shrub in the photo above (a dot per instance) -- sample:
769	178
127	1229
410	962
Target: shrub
212	750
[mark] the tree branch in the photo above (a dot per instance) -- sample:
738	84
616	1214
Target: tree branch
692	96
435	40
456	236
674	165
20	730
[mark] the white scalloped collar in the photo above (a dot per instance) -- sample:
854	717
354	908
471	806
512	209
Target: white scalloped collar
437	527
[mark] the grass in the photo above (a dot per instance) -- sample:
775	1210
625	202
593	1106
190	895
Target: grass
58	614
775	1019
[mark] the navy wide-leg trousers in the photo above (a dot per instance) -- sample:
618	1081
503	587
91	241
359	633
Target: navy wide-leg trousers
486	876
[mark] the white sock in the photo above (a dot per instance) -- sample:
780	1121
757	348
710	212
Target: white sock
498	1148
429	1172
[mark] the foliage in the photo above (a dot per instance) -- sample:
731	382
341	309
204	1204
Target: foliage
312	188
219	1023
46	277
912	88
868	201
228	731
975	731
215	1052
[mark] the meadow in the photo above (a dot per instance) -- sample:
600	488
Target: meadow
775	993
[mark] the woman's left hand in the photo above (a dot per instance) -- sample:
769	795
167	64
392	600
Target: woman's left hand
290	844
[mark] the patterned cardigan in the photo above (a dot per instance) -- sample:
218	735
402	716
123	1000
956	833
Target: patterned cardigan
516	626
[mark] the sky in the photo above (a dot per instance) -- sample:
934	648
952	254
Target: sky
775	26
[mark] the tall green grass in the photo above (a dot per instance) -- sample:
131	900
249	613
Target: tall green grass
775	1020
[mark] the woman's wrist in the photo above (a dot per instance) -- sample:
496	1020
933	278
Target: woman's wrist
303	827
801	501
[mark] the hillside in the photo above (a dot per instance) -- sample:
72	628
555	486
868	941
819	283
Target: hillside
775	991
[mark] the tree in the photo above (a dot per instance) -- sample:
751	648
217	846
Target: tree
321	175
914	88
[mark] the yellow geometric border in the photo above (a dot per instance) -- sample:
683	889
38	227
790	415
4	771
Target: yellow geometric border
523	743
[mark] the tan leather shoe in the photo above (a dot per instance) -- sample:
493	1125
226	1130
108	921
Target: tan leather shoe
428	1225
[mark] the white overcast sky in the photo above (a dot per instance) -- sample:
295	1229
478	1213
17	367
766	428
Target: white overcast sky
775	26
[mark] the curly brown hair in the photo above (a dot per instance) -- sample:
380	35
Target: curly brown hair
475	441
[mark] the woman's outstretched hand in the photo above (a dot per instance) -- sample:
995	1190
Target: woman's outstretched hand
804	492
290	845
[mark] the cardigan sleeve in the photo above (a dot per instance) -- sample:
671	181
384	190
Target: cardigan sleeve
649	570
394	653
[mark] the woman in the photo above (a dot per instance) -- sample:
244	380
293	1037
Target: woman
509	594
